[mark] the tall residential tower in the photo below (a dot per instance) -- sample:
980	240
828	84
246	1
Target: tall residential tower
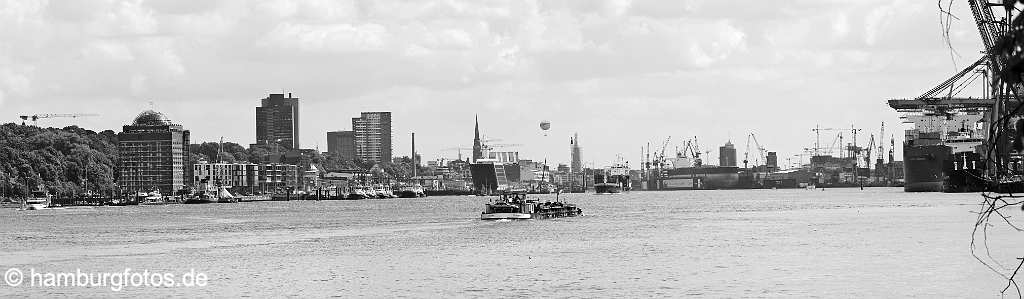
373	136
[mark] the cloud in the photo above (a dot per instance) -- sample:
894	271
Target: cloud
565	60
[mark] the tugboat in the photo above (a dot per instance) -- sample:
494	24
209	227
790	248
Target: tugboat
514	205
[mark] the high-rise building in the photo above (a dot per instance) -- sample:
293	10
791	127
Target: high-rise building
478	147
154	154
576	163
342	143
373	136
277	121
727	154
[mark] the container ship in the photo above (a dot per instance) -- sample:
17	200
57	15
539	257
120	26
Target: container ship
941	153
614	179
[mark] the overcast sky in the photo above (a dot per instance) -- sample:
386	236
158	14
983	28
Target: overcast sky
621	73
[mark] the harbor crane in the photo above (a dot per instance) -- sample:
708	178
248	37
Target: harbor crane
817	141
760	152
36	117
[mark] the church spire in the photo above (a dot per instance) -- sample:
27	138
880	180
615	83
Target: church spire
477	145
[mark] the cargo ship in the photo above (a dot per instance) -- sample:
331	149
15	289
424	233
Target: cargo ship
686	171
941	153
612	180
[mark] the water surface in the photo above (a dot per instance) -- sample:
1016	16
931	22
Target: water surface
879	242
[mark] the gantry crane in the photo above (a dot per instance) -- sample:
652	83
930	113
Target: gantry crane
35	117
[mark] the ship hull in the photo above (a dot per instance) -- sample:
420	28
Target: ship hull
965	173
924	167
607	189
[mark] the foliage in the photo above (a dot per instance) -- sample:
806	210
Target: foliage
64	161
230	153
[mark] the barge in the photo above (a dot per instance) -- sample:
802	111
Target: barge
514	205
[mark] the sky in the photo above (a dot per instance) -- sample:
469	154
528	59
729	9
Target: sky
620	73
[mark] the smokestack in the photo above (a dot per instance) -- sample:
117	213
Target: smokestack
414	162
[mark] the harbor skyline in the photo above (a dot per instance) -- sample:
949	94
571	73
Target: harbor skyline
529	62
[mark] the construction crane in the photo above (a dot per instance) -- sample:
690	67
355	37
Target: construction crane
36	117
459	149
491	146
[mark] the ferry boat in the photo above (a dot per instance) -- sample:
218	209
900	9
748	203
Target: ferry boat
514	205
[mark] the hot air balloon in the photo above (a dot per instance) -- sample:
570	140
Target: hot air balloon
545	125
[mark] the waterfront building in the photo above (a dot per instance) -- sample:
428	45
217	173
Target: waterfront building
342	144
226	174
372	133
277	121
278	177
727	154
247	176
153	154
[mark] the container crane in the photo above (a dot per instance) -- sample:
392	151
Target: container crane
36	117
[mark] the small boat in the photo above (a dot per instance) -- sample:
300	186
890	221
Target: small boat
223	196
357	193
40	200
411	191
514	205
153	198
407	192
382	191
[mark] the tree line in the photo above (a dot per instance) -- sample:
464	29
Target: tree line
72	161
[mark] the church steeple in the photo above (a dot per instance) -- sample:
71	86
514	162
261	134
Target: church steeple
477	146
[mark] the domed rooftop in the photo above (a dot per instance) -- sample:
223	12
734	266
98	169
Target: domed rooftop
151	118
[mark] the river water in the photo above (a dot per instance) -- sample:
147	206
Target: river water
878	242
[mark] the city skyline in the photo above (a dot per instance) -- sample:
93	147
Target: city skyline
690	71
